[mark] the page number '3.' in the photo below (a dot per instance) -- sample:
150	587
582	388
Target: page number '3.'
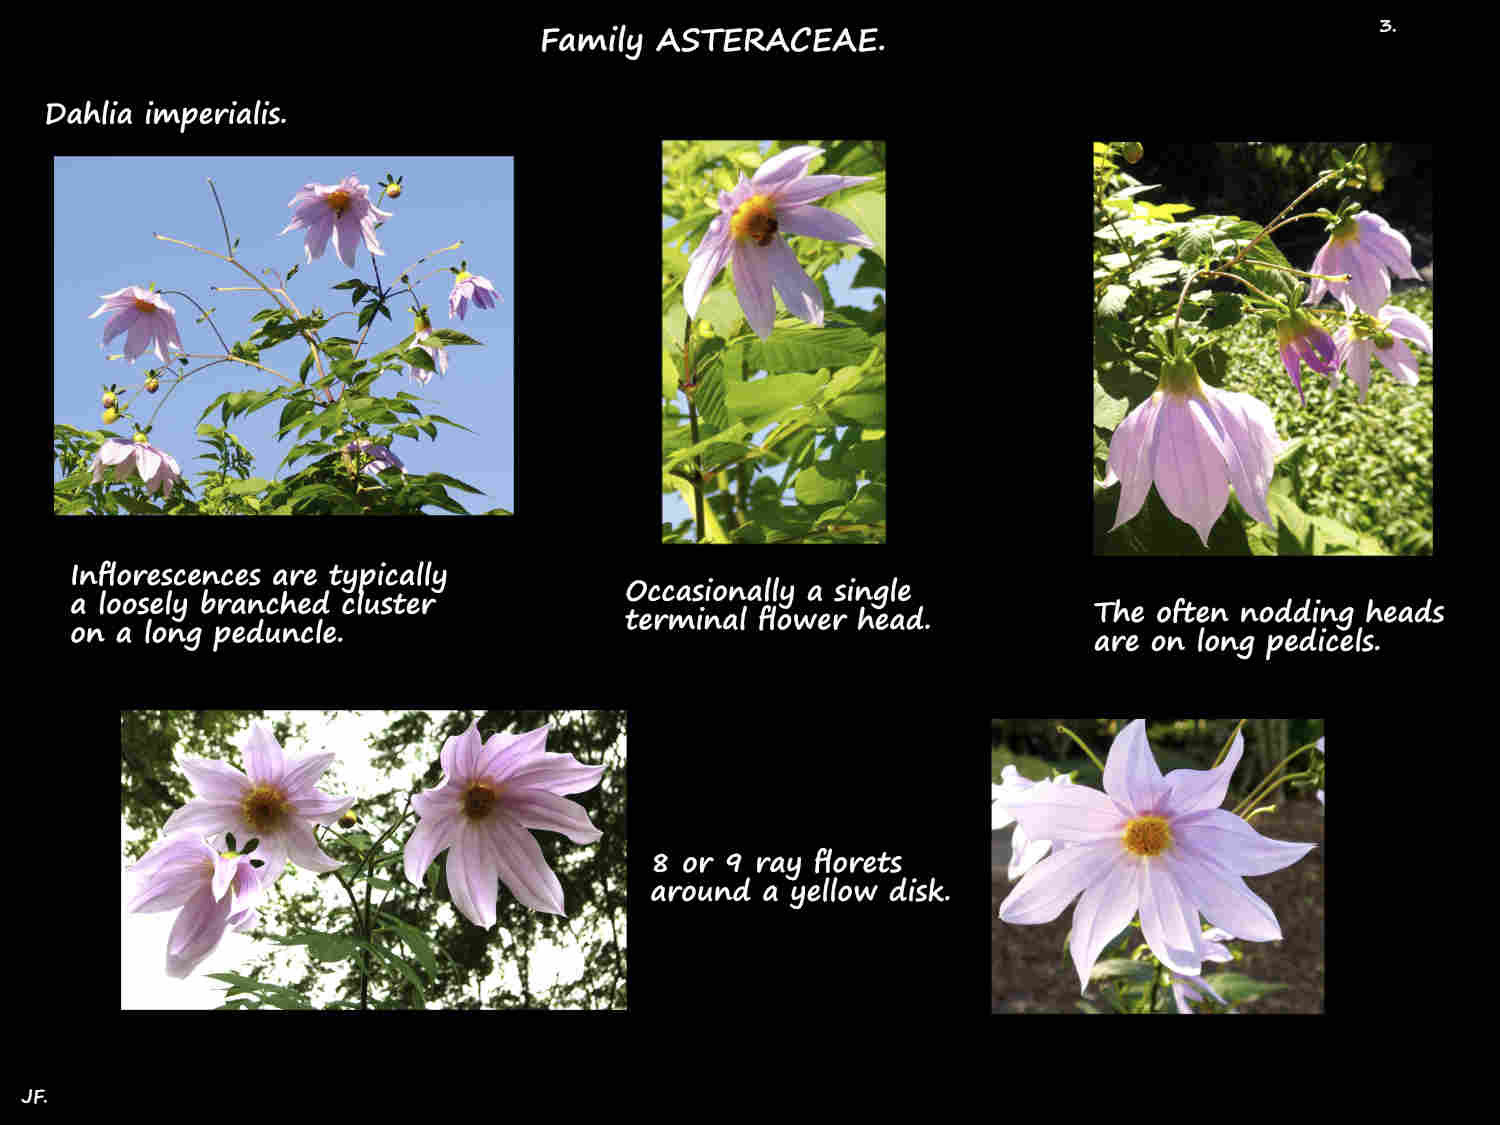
1386	25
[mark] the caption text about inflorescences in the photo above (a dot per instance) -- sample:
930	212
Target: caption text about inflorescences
725	608
1309	626
232	604
832	879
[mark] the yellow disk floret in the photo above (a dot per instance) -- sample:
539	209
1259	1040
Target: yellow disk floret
478	800
1147	836
755	219
265	808
338	200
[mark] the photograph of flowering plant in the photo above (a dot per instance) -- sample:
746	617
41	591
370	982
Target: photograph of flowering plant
1211	315
1150	843
283	336
773	342
354	859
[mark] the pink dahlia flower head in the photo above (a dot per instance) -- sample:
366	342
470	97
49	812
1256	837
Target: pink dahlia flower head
1302	339
216	890
1150	845
380	456
751	228
275	801
341	210
1193	441
157	469
1024	851
1369	250
438	353
1354	351
492	793
1187	991
145	317
470	287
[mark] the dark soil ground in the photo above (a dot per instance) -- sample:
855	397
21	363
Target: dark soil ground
1031	971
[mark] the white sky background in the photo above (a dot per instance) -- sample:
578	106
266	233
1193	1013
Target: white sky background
144	983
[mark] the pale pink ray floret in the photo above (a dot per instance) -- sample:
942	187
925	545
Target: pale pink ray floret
492	793
158	470
435	349
1187	991
750	231
341	211
1193	441
471	287
1386	344
1301	338
275	801
216	890
145	317
1369	250
1025	852
1150	845
380	456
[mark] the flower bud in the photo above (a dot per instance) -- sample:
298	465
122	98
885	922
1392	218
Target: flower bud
1133	152
151	385
392	191
109	398
348	820
110	415
142	439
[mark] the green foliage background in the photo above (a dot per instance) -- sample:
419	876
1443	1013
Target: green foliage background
1036	747
816	472
1356	479
462	954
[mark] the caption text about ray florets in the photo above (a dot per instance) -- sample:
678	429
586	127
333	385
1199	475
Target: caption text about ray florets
114	605
1297	625
780	879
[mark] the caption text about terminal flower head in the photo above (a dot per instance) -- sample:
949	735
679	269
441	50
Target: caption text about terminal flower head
1303	625
779	879
112	605
722	607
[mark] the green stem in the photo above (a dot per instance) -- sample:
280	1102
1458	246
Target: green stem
687	375
1082	747
1228	742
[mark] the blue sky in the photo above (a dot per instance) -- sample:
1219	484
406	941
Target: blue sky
106	210
673	508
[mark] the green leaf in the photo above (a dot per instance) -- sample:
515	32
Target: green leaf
449	338
1121	969
1114	299
452	482
818	484
1109	411
867	211
669	376
419	358
763	397
321	947
415	939
871	273
795	345
275	994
